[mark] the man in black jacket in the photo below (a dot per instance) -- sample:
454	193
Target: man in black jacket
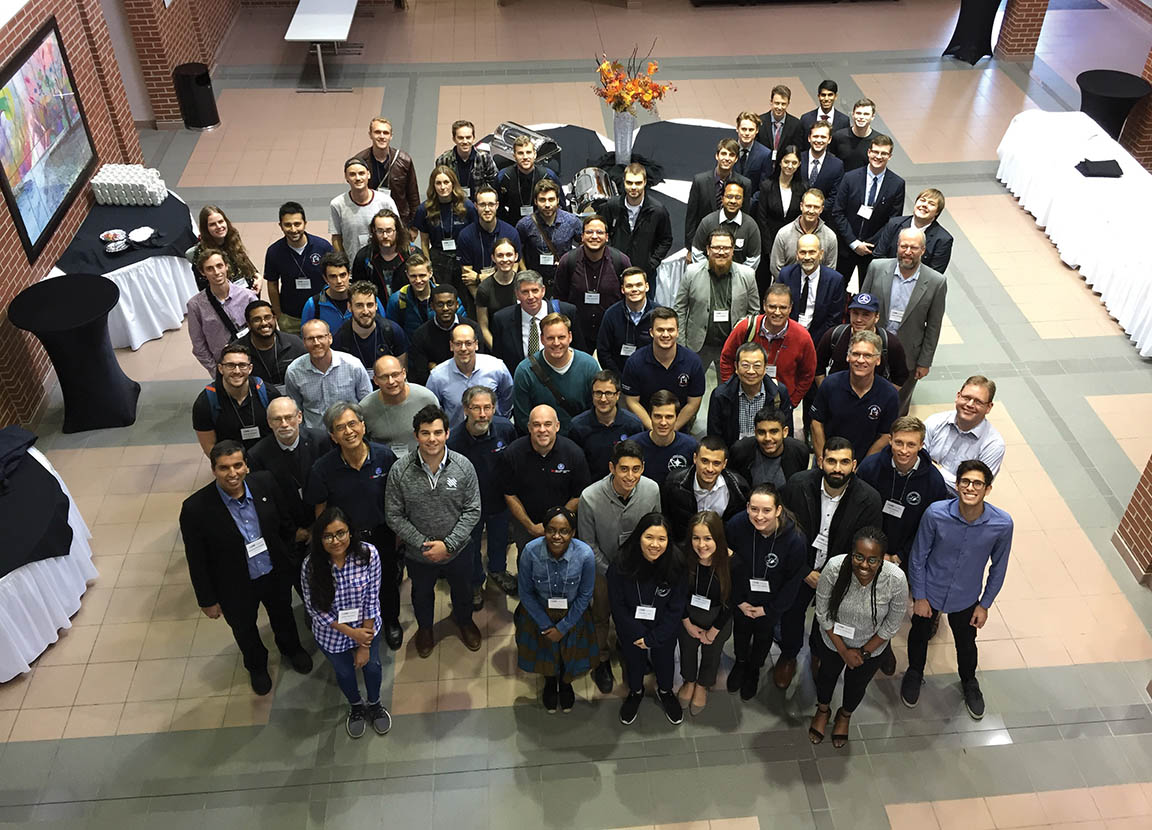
237	538
707	484
638	225
512	327
770	456
830	504
708	187
734	404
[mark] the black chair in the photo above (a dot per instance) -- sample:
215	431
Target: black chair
69	316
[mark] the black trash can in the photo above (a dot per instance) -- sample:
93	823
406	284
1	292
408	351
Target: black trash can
194	92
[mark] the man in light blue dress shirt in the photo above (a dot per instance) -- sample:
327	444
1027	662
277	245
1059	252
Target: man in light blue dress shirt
467	368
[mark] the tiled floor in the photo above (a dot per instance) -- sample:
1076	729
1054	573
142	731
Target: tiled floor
140	716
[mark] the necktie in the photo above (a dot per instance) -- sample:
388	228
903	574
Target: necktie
743	158
533	337
815	170
824	117
803	293
872	191
776	127
719	196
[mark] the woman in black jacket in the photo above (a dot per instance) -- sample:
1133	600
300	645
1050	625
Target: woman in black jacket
647	597
707	622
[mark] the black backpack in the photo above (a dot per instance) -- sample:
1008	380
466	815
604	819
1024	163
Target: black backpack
838	332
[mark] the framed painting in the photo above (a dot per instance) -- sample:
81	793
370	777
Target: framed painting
46	150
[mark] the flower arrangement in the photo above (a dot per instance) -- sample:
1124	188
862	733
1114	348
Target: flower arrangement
625	86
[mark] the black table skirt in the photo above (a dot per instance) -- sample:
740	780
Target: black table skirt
972	39
1108	95
86	255
34	515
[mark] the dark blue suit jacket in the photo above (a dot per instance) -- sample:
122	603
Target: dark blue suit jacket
756	166
840	121
937	243
844	217
829	310
828	181
507	341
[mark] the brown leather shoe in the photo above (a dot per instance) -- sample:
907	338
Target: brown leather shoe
425	641
784	672
470	635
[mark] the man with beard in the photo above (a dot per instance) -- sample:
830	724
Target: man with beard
272	349
589	276
368	335
770	456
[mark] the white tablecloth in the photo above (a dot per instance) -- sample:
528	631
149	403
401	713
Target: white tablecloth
37	600
1097	225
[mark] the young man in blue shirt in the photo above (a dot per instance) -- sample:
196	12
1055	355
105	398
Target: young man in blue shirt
292	267
665	449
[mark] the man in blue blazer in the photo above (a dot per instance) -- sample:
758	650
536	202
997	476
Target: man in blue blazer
937	241
825	113
866	199
755	160
819	167
818	289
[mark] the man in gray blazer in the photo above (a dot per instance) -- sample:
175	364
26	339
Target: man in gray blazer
713	296
911	297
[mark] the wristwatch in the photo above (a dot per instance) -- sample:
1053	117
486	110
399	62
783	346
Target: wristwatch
865	654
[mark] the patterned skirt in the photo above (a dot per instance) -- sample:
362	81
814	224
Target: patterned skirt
573	656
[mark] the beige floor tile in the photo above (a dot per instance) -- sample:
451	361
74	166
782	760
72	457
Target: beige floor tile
142	570
73	648
157	679
93	606
462	693
131	605
53	686
149	454
914	816
414	698
93	721
39	724
155	537
161	506
208	676
248	709
199	713
121	509
180	453
12	691
963	814
1121	801
106	683
119	642
7	719
176	478
176	602
108	568
112	539
146	717
456	661
132	479
168	639
213	637
1021	810
1068	805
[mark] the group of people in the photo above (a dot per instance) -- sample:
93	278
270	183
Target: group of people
510	380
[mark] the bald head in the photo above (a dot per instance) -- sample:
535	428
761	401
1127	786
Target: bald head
284	418
910	250
391	379
543	427
809	252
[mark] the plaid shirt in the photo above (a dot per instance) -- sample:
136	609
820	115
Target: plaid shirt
357	586
314	391
748	409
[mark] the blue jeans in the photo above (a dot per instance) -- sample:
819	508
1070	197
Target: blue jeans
342	663
497	524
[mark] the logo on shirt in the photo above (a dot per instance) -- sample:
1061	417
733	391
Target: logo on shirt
873	413
499	445
663	590
683	379
560	467
314	258
912	498
772	560
677	462
450	483
623	437
379	472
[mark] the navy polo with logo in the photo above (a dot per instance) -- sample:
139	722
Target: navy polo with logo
598	439
544	481
859	419
644	374
660	461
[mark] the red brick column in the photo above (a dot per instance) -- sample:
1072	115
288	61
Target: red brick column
1020	31
1137	135
1133	538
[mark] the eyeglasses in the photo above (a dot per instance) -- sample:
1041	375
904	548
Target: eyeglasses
336	536
862	355
465	343
860	559
601	393
720	249
236	367
779	309
390	375
347	426
970	484
744	366
968	399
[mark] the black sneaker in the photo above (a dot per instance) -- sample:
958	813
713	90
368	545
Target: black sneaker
301	661
973	698
888	662
910	687
736	676
551	696
261	681
381	720
602	675
750	683
630	707
505	582
671	706
567	697
355	724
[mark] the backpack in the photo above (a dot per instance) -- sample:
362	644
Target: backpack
214	397
838	333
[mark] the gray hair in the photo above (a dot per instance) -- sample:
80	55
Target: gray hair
915	233
472	392
526	276
869	337
337	409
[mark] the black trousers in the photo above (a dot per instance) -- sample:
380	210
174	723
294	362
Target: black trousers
752	639
636	665
792	623
847	259
963	632
855	680
458	572
391	572
274	592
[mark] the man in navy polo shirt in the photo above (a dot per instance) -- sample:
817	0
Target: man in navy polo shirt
476	242
856	404
599	429
664	365
665	449
292	267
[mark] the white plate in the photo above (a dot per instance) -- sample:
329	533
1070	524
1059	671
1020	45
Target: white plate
139	235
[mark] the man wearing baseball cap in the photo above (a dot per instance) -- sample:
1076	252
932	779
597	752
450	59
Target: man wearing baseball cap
863	315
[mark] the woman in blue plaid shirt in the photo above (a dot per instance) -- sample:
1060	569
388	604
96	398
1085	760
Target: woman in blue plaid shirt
341	588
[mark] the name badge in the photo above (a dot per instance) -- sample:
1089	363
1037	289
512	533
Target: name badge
627	349
821	542
865	212
770	370
699	601
300	493
303	284
841	630
547	258
242	333
592	297
759	586
249	433
347	616
720	315
400	450
774	155
739	243
893	508
895	316
525	210
558	603
448	245
467	191
256	547
363	239
645	612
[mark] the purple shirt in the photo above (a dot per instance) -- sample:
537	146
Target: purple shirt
205	328
357	586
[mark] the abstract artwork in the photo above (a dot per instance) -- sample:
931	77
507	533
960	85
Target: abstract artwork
45	148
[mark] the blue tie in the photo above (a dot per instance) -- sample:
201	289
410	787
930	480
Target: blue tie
872	191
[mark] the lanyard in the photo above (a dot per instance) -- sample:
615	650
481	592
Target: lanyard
446	230
525	198
640	596
269	374
907	479
711	576
599	272
382	177
251	408
372	350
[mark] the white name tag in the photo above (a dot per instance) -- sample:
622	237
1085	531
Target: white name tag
592	297
699	601
467	191
547	259
893	508
363	239
249	433
347	616
720	315
448	245
525	210
770	370
759	586
841	630
739	243
303	284
645	612
558	603
821	542
865	212
773	155
256	547
895	316
400	450
627	349
242	333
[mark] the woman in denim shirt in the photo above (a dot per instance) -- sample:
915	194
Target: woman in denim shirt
554	634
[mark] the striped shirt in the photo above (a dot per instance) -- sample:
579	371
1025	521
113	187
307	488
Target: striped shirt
357	586
314	391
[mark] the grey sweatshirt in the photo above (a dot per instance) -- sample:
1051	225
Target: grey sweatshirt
419	513
604	521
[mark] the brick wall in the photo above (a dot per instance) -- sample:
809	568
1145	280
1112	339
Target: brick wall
1020	31
1137	135
24	366
1137	7
1133	538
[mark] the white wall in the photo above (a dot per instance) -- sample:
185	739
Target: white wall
125	50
